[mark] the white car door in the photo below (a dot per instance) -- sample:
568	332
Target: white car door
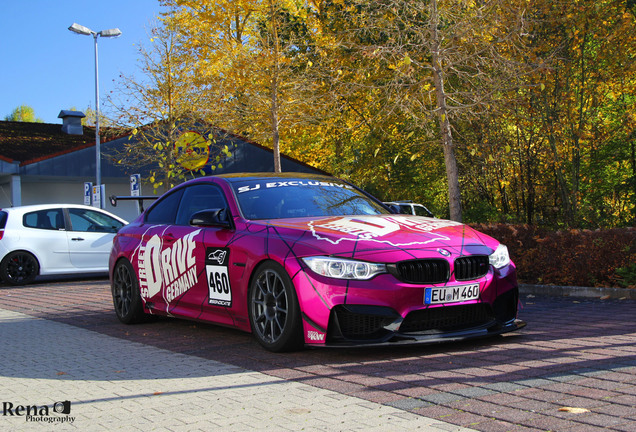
43	233
90	238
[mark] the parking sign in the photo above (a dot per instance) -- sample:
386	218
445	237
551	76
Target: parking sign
88	193
98	194
135	185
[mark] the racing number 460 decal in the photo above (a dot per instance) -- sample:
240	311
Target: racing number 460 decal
216	269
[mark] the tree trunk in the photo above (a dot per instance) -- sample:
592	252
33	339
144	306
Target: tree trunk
564	190
276	143
452	173
274	92
452	176
632	145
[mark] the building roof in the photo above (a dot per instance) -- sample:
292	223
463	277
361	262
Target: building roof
26	142
44	150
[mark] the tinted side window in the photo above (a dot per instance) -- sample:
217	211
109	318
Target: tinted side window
199	197
92	221
421	211
51	219
165	210
3	219
405	209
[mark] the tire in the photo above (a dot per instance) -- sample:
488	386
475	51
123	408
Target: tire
19	268
126	298
273	309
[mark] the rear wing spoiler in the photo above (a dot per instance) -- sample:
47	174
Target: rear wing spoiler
140	200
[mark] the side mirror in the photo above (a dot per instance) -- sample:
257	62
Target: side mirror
211	218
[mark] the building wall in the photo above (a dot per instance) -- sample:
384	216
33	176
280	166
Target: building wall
5	195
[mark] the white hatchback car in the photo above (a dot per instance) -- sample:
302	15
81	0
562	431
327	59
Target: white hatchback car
409	207
53	239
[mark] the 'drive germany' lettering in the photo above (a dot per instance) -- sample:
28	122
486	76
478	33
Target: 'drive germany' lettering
172	267
181	285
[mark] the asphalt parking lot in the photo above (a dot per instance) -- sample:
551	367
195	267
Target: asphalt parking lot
575	353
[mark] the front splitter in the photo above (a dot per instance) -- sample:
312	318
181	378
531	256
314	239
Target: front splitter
401	339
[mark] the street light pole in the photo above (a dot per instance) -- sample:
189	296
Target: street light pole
80	29
98	150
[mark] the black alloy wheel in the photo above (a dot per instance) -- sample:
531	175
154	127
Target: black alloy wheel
126	298
273	309
19	268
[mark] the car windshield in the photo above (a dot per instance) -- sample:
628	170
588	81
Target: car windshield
290	198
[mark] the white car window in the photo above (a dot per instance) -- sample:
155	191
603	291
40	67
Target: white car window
91	221
50	219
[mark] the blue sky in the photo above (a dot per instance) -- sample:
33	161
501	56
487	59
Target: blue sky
46	66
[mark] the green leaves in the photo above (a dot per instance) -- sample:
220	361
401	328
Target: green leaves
23	113
539	114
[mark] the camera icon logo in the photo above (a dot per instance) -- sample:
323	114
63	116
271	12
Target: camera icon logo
63	407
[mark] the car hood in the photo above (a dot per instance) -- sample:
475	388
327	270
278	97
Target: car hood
368	236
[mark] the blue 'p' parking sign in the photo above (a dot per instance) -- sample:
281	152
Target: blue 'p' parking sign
135	185
88	193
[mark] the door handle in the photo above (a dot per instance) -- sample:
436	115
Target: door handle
77	239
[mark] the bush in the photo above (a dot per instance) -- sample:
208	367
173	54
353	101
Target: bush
627	276
569	257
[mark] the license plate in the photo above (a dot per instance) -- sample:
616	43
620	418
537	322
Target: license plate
451	294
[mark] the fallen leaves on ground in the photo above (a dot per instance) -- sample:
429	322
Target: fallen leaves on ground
574	410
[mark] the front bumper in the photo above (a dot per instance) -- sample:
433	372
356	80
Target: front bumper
363	325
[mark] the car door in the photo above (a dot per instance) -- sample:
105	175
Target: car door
44	234
204	247
171	260
90	238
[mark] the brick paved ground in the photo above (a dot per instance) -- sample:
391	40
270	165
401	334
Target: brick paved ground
112	384
576	353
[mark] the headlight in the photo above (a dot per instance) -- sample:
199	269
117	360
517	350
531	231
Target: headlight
500	258
340	268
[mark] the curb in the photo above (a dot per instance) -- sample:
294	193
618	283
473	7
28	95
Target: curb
574	291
